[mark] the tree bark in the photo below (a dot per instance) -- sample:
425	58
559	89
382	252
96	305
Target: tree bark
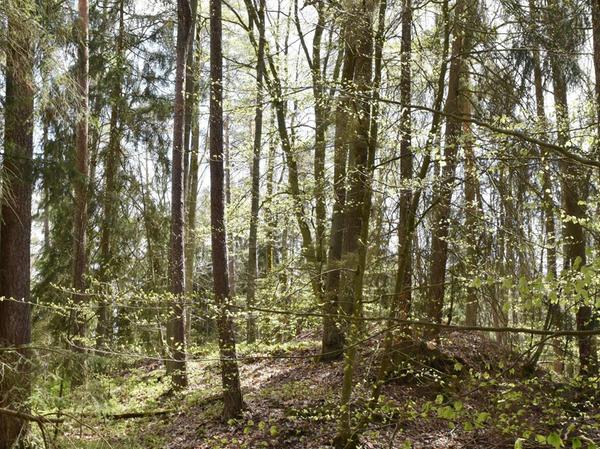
15	229
333	336
112	162
403	284
176	364
80	209
596	49
232	394
443	195
361	156
573	237
252	272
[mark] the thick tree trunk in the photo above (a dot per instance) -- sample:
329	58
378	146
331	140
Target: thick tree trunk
573	237
357	209
176	364
15	229
80	209
333	336
252	271
232	394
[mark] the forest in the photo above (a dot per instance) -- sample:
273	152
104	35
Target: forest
339	224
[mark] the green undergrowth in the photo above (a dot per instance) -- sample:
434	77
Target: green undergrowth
292	401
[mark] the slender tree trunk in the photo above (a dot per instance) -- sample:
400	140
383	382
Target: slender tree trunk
269	219
191	144
176	365
273	83
15	229
252	271
547	201
403	284
442	198
80	210
596	47
321	123
472	214
232	394
112	162
231	244
191	191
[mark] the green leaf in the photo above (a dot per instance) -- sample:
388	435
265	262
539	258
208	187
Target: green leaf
576	443
540	439
519	443
554	440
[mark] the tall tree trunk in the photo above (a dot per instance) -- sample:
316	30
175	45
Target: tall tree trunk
231	243
321	122
191	183
333	336
596	48
573	237
112	162
554	311
273	83
192	195
472	214
443	196
176	364
361	157
232	394
80	210
15	229
403	284
191	143
269	218
252	271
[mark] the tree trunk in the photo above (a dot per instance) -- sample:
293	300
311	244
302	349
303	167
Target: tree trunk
443	195
80	210
176	365
112	162
333	336
252	271
357	209
573	237
473	215
232	394
269	219
321	123
191	191
15	229
596	47
403	284
554	311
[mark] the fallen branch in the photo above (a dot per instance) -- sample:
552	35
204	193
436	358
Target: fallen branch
40	419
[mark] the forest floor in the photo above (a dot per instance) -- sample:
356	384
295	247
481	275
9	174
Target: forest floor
472	395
